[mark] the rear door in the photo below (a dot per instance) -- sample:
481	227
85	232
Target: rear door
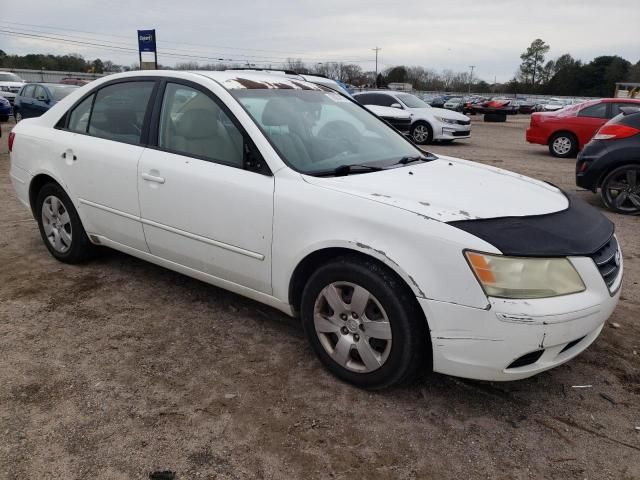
98	149
202	204
589	120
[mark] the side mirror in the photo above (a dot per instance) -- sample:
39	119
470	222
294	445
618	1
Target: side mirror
396	105
252	159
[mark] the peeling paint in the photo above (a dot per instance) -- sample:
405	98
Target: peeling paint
544	335
364	246
426	204
380	195
465	213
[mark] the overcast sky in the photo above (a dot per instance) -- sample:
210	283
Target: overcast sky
489	34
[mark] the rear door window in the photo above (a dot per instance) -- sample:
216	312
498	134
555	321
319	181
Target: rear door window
79	116
599	110
119	111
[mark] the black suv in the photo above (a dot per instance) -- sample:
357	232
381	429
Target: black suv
611	162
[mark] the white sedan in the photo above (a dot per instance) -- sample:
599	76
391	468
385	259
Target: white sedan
290	194
428	124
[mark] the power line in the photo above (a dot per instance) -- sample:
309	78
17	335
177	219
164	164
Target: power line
265	58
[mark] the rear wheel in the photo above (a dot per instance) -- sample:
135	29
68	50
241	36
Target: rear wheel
363	324
422	133
60	226
620	190
563	145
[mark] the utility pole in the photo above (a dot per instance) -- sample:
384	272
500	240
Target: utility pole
377	49
471	76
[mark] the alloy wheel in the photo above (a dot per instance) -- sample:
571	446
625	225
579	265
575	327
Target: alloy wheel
623	190
352	327
562	145
421	133
56	223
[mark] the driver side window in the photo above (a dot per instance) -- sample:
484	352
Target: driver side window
191	123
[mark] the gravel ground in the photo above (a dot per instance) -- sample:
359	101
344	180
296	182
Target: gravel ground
119	368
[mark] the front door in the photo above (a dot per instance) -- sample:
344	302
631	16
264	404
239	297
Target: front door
200	207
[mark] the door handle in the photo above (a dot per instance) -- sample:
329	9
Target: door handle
152	178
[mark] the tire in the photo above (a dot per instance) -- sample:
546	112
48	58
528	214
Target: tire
620	190
495	117
60	226
421	133
563	145
341	342
18	117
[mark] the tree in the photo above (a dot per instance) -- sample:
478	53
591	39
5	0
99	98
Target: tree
396	74
634	73
532	65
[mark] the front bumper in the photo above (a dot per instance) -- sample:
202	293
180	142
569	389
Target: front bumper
453	132
483	344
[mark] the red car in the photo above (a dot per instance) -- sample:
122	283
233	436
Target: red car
567	130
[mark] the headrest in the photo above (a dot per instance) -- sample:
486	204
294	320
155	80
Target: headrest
278	112
197	123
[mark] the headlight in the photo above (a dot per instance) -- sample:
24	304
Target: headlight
4	89
446	120
517	277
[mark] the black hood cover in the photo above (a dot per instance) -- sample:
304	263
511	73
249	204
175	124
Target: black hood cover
580	230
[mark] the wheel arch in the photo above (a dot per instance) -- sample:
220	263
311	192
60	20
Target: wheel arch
314	259
35	185
614	166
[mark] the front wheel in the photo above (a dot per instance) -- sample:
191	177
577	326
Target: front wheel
363	324
563	145
620	190
421	133
60	226
18	117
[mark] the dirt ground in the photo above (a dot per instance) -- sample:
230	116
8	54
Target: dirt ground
119	368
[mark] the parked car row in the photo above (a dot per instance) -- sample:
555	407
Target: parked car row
29	99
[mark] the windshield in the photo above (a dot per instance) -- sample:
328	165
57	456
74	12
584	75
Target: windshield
411	101
60	91
9	77
318	131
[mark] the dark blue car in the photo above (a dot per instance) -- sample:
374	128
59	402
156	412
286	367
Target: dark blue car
5	109
36	98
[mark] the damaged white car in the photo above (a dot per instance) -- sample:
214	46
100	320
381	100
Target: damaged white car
297	197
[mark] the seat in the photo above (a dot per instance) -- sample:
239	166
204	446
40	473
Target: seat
279	113
200	132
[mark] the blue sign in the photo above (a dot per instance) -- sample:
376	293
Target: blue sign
147	40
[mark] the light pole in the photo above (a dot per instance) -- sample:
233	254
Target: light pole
377	49
471	76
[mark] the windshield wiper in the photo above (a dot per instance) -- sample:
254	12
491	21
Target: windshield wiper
348	169
415	158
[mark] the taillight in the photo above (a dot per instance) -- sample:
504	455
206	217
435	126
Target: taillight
615	131
11	137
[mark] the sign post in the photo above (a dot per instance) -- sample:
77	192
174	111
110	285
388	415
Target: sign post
147	44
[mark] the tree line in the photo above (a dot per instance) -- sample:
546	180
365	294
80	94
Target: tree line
566	75
563	75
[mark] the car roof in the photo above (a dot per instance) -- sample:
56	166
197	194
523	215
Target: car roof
228	79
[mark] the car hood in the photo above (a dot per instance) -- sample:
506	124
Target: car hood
450	189
389	112
440	112
12	84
